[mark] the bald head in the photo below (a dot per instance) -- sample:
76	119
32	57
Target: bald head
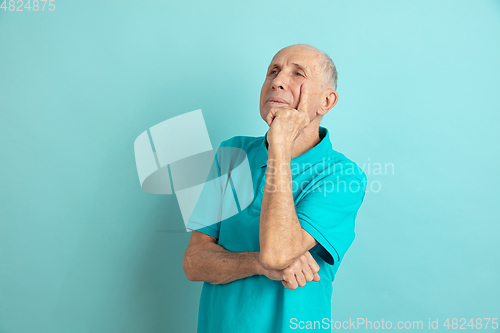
326	64
294	70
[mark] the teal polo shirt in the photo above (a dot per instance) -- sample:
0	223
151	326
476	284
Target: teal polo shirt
328	190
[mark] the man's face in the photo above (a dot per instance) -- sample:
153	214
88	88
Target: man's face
291	68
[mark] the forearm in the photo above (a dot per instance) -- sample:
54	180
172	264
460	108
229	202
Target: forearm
281	235
214	264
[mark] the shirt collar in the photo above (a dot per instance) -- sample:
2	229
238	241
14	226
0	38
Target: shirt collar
313	155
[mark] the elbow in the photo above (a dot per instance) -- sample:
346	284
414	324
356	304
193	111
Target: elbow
193	268
272	261
187	267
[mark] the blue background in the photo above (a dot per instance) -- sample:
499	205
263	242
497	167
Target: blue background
84	249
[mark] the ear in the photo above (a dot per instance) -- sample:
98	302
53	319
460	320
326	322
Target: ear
330	98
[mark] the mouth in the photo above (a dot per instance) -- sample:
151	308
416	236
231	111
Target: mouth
277	101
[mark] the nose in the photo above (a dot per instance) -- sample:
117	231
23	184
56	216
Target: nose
279	82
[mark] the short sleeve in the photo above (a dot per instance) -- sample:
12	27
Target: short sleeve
206	215
328	211
216	201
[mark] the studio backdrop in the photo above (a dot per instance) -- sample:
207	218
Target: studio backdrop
84	248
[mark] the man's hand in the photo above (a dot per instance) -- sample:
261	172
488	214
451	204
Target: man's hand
287	123
304	269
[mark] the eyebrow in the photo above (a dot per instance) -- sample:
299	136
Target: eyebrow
293	63
299	66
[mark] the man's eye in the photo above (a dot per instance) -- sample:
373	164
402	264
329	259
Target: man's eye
299	74
273	72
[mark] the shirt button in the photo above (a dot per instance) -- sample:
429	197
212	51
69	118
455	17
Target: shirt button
262	190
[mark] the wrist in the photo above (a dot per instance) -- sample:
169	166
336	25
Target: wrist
258	269
279	155
281	148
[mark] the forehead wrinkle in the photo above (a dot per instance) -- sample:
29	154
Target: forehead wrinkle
314	59
293	63
298	65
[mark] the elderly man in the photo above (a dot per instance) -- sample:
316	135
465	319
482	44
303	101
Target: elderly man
261	266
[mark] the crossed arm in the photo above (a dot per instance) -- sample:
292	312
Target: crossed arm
205	260
284	243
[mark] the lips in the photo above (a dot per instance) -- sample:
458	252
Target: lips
277	100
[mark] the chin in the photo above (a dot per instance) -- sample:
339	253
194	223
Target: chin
263	116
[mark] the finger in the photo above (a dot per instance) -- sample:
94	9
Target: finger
271	115
291	280
312	263
288	277
308	274
316	277
304	93
301	279
306	269
292	284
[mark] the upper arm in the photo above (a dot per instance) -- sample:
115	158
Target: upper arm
329	216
